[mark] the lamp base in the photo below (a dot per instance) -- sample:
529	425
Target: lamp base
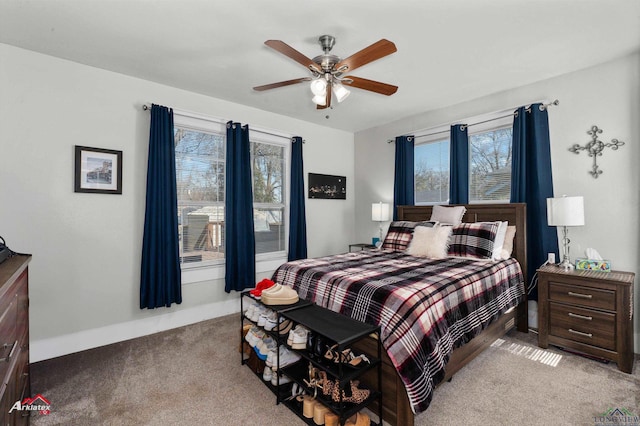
565	264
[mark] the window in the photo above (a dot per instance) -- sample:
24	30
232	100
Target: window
490	148
490	158
200	177
431	170
268	164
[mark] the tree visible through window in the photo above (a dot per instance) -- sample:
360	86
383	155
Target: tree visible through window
431	172
200	179
490	158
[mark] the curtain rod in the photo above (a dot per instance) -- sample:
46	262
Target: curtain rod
542	108
146	107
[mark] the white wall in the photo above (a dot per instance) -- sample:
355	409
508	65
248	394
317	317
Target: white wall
608	96
84	276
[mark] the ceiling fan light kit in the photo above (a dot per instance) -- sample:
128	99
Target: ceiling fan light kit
328	70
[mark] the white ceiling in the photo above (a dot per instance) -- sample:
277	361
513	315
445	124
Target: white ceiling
448	51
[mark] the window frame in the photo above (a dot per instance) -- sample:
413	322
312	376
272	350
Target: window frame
265	262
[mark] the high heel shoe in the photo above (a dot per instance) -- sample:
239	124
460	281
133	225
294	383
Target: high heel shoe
350	393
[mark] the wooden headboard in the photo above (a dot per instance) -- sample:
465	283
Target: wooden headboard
514	213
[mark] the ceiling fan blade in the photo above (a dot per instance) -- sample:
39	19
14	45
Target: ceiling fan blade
289	51
281	83
371	85
376	51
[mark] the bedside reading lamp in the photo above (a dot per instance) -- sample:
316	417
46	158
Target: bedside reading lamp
380	213
565	211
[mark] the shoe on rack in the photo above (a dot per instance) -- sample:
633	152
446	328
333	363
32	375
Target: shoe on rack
267	374
285	357
272	289
249	311
284	327
271	321
262	320
283	296
260	287
255	314
359	419
265	346
298	337
319	411
283	379
254	335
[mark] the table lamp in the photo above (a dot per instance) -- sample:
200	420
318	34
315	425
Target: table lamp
380	213
565	211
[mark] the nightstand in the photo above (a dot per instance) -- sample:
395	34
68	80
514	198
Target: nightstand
361	246
588	311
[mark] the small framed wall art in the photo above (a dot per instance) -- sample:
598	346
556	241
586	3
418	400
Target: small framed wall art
327	186
98	170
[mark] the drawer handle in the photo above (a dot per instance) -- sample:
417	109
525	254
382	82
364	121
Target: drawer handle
584	296
584	317
13	349
580	333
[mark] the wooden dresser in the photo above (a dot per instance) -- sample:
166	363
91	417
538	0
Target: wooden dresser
14	338
588	311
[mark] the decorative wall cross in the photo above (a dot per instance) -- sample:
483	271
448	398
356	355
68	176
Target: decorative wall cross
594	149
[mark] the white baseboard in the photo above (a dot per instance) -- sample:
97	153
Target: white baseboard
53	347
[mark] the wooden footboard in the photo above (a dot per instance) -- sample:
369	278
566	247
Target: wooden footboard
395	403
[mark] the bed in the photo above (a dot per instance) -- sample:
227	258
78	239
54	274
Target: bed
426	343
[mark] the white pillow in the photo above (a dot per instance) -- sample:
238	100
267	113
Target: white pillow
507	247
452	215
430	242
499	240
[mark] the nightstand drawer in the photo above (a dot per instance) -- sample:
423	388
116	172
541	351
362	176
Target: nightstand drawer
583	325
583	296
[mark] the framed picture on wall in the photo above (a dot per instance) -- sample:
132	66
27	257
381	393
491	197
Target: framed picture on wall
98	170
327	186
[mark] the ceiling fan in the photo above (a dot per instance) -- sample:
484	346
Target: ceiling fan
328	71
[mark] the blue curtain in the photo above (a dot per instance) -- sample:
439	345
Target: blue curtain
160	278
297	219
532	183
459	165
239	243
403	184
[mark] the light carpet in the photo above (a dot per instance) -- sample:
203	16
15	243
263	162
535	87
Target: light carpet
192	376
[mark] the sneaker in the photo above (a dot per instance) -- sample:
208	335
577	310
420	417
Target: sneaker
265	346
255	337
251	334
283	379
298	337
267	374
270	321
263	318
286	357
255	315
249	311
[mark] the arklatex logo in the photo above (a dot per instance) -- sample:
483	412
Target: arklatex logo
37	403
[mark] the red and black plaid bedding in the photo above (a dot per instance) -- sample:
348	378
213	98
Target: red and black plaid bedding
425	307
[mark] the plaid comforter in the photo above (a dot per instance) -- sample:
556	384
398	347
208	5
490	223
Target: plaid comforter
425	307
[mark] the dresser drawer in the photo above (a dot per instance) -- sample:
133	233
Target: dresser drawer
582	296
577	324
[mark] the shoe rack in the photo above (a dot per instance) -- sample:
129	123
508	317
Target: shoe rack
332	334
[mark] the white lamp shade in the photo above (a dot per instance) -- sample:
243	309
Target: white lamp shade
320	100
380	212
565	211
319	87
340	91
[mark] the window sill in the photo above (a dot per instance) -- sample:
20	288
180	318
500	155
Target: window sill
264	263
